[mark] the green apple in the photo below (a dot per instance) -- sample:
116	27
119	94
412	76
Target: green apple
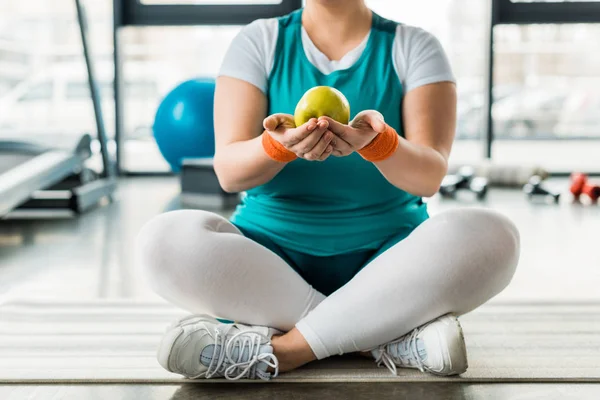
322	101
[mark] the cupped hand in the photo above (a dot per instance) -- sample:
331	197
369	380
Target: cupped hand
312	141
359	133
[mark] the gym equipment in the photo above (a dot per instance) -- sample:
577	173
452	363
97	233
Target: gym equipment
183	125
578	181
536	189
465	179
38	180
200	187
581	186
505	175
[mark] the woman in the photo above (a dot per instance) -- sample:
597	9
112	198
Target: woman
331	250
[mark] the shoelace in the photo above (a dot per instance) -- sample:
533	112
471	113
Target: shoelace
224	362
253	341
409	359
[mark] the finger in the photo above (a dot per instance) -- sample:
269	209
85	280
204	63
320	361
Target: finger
371	117
320	147
298	135
327	153
270	123
340	130
273	122
342	147
311	140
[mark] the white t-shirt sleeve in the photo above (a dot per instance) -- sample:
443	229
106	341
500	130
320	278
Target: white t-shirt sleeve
419	58
251	53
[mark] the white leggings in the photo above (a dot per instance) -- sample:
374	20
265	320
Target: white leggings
454	262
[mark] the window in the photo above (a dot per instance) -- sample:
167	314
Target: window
41	38
555	69
212	2
40	92
165	57
552	119
81	90
189	41
141	89
554	1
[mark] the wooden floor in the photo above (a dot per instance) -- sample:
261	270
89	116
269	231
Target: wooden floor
90	258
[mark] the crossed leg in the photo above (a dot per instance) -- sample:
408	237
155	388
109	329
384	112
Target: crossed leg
454	262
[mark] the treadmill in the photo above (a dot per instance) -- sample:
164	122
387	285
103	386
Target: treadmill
39	181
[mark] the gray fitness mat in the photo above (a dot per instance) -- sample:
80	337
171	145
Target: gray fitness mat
115	342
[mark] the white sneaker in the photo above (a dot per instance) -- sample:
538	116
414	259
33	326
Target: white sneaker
437	347
204	347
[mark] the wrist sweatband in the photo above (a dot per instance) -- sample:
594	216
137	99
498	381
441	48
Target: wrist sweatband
382	147
275	150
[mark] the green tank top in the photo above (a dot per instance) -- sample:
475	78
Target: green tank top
341	205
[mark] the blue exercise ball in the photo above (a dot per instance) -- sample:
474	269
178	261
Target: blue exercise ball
183	126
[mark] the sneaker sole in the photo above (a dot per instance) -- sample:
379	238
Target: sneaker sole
460	352
166	347
173	332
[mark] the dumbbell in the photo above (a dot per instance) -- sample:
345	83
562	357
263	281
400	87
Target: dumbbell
464	180
535	188
580	185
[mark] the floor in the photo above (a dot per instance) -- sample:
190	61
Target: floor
90	258
382	391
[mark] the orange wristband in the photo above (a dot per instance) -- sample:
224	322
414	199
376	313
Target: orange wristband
275	150
382	147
